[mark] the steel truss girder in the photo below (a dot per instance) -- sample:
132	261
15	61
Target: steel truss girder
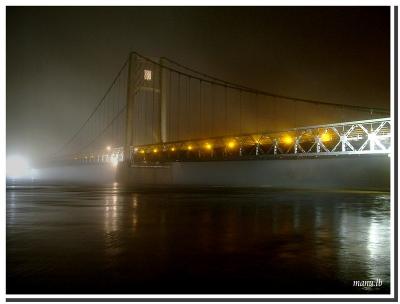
349	138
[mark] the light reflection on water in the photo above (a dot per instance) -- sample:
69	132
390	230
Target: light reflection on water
116	240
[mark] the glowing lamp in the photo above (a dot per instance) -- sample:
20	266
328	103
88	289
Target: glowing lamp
173	149
142	151
231	144
108	148
155	150
208	146
287	140
326	137
189	147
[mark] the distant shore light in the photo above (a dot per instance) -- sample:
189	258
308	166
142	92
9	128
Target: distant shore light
17	167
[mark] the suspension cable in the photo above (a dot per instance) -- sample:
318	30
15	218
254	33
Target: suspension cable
94	110
251	90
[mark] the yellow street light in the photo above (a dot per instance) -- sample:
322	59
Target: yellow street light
325	137
231	144
142	151
208	146
189	147
173	149
155	150
287	140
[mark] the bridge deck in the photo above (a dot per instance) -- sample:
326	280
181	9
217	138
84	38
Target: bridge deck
349	138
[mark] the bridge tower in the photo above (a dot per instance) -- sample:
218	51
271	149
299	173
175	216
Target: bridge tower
163	102
130	99
146	94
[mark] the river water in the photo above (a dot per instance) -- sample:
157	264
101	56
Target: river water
108	239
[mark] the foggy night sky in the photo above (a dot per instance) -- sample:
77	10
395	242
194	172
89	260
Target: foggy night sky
61	60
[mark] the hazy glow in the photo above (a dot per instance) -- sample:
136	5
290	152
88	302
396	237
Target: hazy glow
142	151
208	146
190	147
173	149
17	167
108	148
155	150
114	161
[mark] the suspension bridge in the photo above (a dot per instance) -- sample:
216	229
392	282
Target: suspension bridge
157	111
